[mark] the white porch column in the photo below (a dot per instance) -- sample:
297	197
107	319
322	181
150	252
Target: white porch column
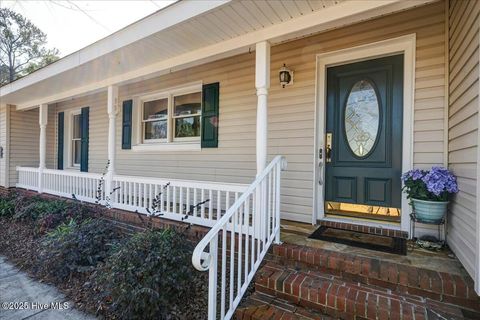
42	120
262	83
112	109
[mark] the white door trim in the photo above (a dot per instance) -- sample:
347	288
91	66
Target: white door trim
404	44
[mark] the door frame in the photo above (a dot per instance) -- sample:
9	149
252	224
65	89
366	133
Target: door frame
401	45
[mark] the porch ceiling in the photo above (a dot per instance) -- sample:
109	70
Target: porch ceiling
184	34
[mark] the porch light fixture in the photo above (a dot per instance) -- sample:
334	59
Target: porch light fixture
286	76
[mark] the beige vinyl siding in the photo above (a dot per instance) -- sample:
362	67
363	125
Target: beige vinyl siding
24	141
4	129
291	110
463	127
98	129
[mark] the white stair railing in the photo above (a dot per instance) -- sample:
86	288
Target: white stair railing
235	246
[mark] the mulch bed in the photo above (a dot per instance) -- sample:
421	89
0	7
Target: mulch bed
19	243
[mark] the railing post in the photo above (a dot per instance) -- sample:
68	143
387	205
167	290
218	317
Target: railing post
277	201
112	109
212	279
42	121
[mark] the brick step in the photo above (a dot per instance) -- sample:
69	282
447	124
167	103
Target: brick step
399	278
350	300
264	307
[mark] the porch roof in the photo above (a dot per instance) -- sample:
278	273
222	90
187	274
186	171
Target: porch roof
185	34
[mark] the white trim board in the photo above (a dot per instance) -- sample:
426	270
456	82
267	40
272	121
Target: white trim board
403	44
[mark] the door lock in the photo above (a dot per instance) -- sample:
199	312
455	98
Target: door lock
328	147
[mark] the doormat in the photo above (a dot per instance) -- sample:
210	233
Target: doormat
361	240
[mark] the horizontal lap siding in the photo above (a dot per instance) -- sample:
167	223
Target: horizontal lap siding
24	140
463	127
291	110
98	128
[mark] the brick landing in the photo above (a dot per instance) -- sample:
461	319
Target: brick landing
304	282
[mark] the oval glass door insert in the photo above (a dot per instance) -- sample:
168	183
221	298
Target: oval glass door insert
362	117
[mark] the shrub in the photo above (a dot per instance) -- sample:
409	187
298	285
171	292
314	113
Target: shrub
37	208
151	277
7	207
76	248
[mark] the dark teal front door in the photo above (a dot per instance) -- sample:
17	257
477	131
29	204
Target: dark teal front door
364	138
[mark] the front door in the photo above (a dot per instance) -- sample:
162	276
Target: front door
363	158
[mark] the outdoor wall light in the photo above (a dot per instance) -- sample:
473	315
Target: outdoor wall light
286	76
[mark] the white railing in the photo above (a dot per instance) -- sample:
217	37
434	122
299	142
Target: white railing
176	199
27	178
201	203
236	245
85	186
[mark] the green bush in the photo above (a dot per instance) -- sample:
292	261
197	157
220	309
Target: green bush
37	208
151	277
76	248
7	207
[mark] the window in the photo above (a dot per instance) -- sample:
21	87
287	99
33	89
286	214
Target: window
155	119
76	139
186	114
172	117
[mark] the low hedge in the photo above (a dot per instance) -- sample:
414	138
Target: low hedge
151	277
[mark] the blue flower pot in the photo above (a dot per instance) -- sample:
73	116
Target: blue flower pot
429	211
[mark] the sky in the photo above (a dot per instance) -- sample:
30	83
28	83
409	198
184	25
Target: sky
73	24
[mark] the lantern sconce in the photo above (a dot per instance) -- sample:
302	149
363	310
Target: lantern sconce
285	76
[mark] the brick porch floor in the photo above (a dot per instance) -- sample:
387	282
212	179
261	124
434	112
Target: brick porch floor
312	279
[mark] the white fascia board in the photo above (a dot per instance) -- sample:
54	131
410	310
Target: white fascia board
345	13
156	22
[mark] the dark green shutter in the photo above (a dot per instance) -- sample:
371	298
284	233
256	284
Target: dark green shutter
60	138
210	98
84	136
127	125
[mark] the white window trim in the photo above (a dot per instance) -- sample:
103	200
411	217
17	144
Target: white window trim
171	143
68	136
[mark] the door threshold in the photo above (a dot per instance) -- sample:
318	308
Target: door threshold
362	221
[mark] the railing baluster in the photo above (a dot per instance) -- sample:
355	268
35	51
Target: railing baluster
180	204
239	259
232	257
202	208
212	279
195	201
174	200
219	204
210	204
224	271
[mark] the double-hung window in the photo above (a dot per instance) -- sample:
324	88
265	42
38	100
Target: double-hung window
76	139
172	117
155	120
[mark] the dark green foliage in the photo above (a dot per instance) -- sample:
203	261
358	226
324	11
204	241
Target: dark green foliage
48	214
76	248
7	207
151	277
38	208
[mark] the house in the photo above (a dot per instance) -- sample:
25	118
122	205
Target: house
187	102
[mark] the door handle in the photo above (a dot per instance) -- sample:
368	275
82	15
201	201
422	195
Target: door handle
328	147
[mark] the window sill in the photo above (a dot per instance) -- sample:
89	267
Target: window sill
167	147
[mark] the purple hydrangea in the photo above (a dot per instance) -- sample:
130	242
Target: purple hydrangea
414	174
439	180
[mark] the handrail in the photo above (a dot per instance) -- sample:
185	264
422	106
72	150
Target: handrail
201	246
239	241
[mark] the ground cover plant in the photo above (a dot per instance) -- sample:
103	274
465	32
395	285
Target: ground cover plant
116	275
